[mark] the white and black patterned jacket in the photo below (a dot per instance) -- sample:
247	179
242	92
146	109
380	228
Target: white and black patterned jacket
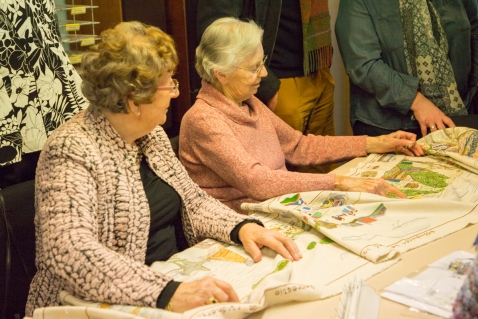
92	215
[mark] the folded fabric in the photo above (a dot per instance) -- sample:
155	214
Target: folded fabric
460	144
321	273
374	227
421	177
79	312
119	311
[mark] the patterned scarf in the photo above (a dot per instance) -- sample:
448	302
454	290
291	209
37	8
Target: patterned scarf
317	35
426	53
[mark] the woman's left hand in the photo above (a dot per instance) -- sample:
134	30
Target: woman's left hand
398	142
254	237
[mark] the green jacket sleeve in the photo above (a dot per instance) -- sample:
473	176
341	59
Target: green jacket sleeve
367	53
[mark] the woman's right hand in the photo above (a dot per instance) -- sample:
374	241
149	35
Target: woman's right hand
428	115
369	185
202	292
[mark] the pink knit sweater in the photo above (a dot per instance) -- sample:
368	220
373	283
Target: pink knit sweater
237	157
92	215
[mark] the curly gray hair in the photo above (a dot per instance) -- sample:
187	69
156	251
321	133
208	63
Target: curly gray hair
126	65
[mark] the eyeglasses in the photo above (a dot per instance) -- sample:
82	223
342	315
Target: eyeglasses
258	68
174	88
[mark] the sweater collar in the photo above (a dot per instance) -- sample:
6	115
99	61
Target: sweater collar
219	101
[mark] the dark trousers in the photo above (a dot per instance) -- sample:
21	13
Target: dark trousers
360	128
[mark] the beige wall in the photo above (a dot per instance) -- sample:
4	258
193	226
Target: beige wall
342	97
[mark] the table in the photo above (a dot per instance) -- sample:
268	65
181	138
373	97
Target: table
411	261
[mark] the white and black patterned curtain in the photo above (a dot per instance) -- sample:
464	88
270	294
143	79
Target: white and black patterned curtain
39	87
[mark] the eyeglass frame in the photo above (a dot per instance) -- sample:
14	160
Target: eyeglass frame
258	68
173	88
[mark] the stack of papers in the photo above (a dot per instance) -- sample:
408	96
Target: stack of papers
435	288
359	301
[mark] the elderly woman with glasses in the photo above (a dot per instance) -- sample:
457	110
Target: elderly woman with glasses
236	149
112	198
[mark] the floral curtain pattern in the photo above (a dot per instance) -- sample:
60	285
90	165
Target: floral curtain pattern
39	87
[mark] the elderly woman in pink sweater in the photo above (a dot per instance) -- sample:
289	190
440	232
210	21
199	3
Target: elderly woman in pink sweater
236	149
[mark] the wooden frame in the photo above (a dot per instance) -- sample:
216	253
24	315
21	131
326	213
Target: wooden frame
170	16
176	26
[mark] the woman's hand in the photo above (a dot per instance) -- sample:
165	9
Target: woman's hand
428	115
370	185
398	142
202	292
254	237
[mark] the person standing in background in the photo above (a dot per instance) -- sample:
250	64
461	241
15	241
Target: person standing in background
411	63
39	87
297	43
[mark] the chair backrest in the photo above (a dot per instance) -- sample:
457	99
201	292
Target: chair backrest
17	247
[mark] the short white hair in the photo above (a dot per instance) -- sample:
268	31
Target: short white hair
224	45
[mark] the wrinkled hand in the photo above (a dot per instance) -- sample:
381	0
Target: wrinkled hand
398	142
370	185
198	293
254	237
428	115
